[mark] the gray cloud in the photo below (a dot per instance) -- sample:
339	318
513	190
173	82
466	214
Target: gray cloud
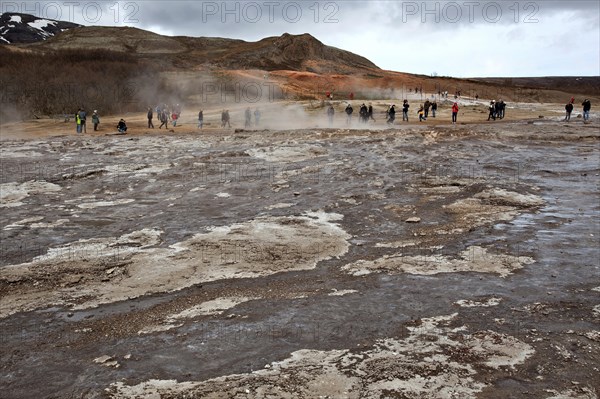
508	38
251	17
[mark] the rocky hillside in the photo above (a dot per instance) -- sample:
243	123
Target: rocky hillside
293	52
286	52
25	28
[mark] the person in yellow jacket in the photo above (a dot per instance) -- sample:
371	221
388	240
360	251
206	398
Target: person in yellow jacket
421	113
78	121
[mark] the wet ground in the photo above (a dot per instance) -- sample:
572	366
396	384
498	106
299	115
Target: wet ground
419	262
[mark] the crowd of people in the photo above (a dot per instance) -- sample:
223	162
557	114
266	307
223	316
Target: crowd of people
496	109
248	118
164	115
81	119
586	107
365	114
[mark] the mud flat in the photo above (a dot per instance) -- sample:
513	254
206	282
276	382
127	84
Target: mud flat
415	262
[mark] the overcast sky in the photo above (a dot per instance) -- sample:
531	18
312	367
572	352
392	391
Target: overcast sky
454	38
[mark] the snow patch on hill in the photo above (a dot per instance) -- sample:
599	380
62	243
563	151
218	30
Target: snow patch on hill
25	28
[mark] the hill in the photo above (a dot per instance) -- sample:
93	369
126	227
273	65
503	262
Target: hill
570	84
25	28
286	52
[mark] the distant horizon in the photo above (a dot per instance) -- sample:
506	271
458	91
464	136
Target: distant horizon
466	40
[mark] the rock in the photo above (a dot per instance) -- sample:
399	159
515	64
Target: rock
413	219
102	359
107	361
127	356
72	279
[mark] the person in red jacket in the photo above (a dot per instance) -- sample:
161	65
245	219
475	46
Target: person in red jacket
454	112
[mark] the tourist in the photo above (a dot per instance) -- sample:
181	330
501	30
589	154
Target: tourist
587	106
349	111
200	119
405	107
122	126
569	109
150	116
95	120
454	113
